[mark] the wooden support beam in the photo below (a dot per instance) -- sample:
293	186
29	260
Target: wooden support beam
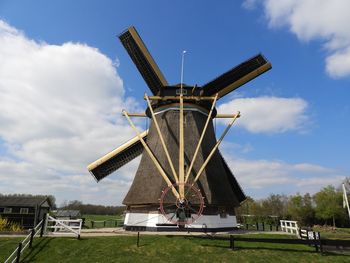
137	114
181	150
229	116
151	155
197	98
214	149
201	139
162	139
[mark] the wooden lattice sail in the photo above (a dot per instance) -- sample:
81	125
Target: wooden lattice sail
182	182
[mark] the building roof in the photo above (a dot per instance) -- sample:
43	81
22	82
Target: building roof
68	213
30	201
217	183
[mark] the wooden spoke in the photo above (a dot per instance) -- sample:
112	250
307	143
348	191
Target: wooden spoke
201	139
181	150
162	139
214	148
150	153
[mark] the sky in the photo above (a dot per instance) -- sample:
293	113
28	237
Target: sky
65	77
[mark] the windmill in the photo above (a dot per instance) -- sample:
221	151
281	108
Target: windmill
182	181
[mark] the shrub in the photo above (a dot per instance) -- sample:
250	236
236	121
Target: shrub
6	225
3	224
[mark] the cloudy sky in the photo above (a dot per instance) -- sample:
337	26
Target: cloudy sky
64	79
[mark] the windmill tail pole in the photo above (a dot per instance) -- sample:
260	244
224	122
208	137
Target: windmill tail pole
151	155
345	197
165	148
214	148
201	139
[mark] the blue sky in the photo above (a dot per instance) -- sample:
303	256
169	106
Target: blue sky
65	78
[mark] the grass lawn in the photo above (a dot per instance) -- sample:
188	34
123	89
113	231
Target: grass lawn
7	246
164	249
338	233
110	220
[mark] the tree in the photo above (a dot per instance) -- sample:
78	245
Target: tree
328	204
300	209
275	205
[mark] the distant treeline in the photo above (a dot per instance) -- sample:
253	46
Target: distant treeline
93	209
325	207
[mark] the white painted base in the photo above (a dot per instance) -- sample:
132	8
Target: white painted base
157	220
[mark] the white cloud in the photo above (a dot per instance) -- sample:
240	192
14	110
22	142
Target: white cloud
60	109
268	114
315	20
281	177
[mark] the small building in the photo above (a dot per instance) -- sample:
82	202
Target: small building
68	214
27	211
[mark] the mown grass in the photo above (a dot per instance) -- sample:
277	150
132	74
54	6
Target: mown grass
166	249
7	246
338	233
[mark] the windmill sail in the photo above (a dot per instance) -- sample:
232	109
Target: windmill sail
117	158
143	60
237	76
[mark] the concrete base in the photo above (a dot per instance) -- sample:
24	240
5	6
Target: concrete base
157	222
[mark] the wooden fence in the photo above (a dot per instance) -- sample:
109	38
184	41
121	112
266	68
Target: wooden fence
106	223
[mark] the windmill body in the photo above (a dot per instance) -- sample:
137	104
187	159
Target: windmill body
183	181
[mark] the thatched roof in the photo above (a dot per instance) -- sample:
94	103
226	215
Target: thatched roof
217	184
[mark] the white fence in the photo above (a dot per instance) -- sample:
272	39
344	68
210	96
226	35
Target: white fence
27	242
57	227
290	226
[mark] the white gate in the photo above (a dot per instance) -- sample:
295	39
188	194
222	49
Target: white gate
290	226
63	227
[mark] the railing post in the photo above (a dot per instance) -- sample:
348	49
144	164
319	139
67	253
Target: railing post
315	241
320	242
257	226
18	257
138	239
232	242
32	233
43	225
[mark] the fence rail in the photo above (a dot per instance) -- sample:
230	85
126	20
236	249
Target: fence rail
26	242
105	223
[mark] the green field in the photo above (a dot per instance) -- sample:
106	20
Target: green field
338	233
102	220
164	249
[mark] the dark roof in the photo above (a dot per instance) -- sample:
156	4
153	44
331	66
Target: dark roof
68	213
217	184
30	201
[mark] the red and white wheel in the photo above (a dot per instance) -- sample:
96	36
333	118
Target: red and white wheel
183	211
